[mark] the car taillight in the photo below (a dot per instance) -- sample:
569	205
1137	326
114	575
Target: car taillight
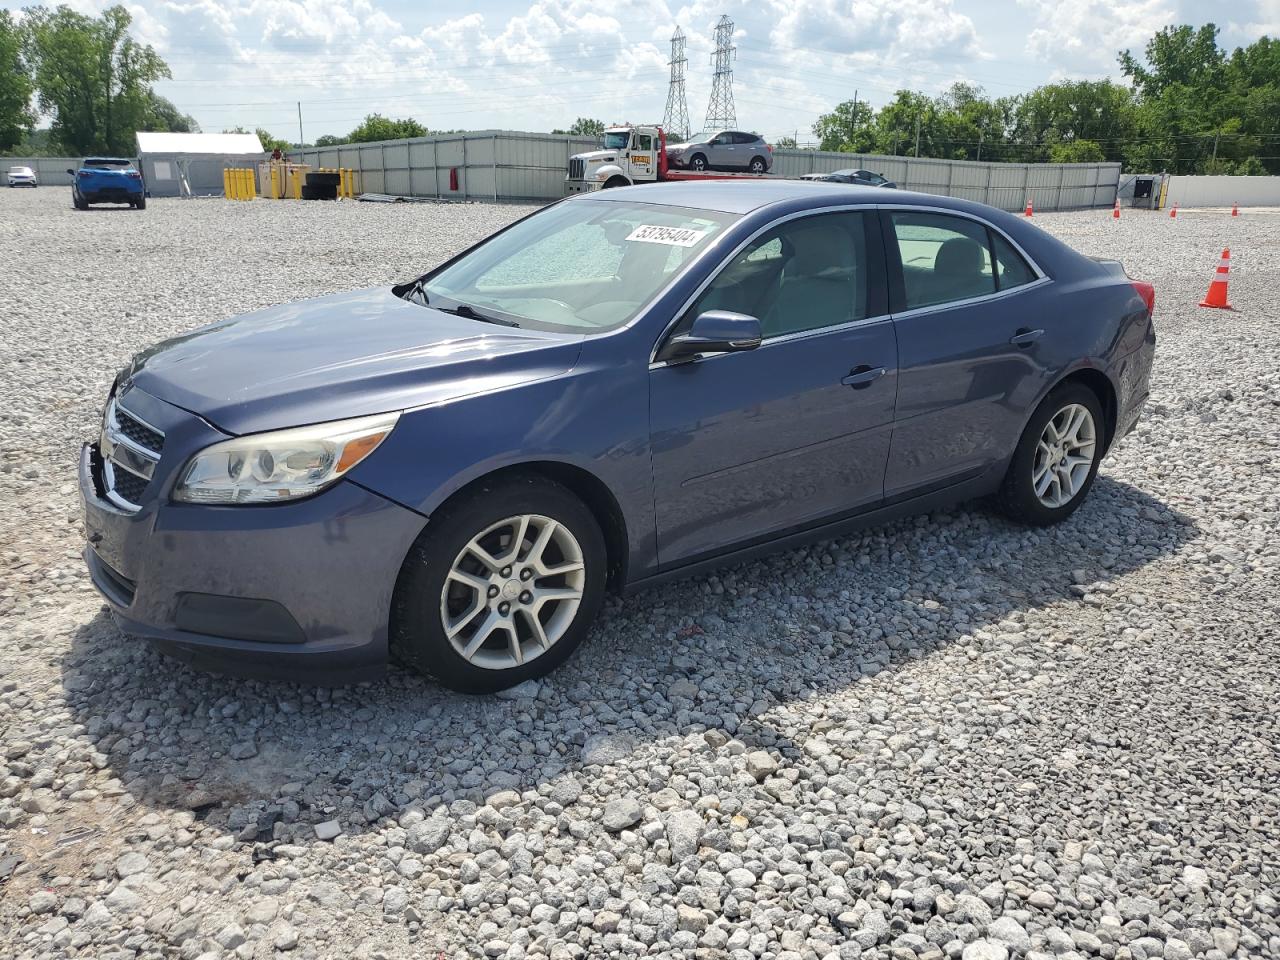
1147	292
769	147
83	173
134	175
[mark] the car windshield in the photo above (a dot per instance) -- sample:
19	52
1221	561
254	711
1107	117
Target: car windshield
617	139
585	266
107	163
22	170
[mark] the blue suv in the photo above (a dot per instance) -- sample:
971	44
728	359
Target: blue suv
107	180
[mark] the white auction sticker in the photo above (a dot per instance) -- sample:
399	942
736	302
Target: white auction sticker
671	236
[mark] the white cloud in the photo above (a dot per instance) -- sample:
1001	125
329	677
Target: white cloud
1083	37
891	30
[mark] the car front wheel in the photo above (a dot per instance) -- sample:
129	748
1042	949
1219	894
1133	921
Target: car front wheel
1057	459
698	162
501	586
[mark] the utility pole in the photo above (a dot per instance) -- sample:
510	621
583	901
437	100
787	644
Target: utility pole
301	141
979	145
721	113
676	117
855	117
1215	148
917	133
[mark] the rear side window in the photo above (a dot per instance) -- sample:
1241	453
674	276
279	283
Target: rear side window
944	258
745	138
1011	269
806	274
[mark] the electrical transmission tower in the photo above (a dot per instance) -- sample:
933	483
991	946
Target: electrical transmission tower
676	120
721	113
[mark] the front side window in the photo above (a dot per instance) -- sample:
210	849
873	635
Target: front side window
645	141
944	258
584	266
805	274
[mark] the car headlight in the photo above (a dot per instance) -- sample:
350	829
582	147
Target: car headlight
281	465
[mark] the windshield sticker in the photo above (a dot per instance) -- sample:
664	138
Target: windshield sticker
671	236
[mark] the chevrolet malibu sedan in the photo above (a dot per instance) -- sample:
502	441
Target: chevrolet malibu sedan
619	388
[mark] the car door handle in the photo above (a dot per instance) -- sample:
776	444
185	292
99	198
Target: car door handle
863	376
1025	337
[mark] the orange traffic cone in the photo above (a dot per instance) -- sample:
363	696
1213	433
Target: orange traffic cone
1027	212
1235	210
1115	214
1174	212
1217	295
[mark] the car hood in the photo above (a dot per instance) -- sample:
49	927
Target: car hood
346	355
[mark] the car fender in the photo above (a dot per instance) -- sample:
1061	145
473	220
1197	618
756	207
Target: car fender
594	419
607	171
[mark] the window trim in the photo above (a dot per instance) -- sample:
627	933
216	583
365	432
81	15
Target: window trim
732	255
896	278
891	264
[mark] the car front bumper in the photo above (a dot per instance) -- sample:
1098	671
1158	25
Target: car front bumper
295	591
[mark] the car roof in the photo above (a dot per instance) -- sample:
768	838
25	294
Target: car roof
108	160
745	195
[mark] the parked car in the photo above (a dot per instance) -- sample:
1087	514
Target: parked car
723	150
22	177
107	180
622	387
861	178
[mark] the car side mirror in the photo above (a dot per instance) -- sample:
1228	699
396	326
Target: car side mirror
715	331
70	171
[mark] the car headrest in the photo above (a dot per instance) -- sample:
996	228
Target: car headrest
820	250
958	256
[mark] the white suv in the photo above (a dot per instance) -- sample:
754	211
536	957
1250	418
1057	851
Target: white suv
22	177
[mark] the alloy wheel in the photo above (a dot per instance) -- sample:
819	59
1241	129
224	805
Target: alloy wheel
513	591
1064	455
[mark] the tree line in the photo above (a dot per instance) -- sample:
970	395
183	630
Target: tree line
1189	107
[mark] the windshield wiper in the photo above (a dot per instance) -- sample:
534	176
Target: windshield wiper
469	312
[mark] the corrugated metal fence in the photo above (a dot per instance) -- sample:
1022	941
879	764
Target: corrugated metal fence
49	171
508	165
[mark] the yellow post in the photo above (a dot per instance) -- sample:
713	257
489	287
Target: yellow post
250	184
275	182
226	183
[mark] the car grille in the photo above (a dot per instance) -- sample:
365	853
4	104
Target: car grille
131	449
576	167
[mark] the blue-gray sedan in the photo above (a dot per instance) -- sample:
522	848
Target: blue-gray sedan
621	387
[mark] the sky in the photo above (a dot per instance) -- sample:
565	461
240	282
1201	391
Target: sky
537	66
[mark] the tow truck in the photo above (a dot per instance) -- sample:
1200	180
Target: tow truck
633	154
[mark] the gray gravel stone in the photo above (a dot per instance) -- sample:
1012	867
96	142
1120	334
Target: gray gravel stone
621	814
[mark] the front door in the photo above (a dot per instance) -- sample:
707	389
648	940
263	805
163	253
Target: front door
643	158
969	350
750	445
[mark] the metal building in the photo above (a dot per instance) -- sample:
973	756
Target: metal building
191	164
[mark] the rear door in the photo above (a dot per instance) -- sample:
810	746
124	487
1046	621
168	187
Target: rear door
970	356
750	445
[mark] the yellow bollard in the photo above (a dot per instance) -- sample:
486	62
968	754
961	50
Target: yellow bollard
275	183
226	184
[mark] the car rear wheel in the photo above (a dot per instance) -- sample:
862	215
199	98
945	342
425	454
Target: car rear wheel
698	162
757	165
1057	459
140	203
501	587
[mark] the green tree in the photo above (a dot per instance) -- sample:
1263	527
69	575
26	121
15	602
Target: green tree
92	77
1077	151
377	127
586	127
847	128
328	140
166	117
270	142
785	143
1058	114
16	118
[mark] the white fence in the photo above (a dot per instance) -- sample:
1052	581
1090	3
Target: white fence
49	171
1224	191
507	165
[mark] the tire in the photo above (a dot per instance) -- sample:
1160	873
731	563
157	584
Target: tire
140	203
79	203
698	162
1018	497
421	605
614	182
758	165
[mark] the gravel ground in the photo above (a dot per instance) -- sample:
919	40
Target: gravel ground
948	737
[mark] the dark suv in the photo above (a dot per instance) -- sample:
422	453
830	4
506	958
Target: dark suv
860	178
